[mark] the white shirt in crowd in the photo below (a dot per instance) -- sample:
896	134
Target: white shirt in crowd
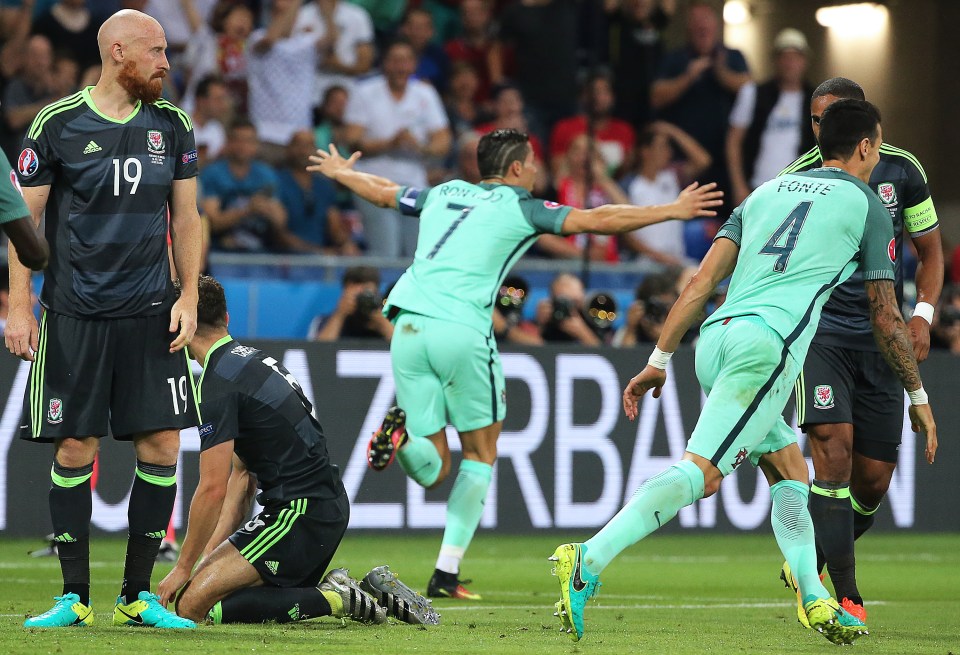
354	28
666	237
211	136
281	84
170	15
780	141
420	110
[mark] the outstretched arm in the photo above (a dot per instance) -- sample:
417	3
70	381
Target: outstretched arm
378	190
891	335
693	202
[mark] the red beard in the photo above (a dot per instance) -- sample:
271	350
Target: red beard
147	91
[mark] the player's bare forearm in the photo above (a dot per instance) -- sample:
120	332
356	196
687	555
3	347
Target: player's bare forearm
890	333
204	516
378	190
716	266
236	506
929	276
186	235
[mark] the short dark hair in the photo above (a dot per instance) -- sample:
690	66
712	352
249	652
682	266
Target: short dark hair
839	87
211	304
203	86
500	148
844	124
396	43
241	123
361	275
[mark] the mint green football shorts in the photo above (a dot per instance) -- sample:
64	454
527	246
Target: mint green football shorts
748	376
446	372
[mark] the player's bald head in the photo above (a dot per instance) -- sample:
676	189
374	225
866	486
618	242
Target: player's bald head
125	27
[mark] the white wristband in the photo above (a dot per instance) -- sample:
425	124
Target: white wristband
659	359
918	397
925	311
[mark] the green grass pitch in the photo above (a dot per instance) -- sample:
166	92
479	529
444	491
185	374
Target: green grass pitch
672	594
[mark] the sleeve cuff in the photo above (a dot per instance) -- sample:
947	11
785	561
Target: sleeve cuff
879	275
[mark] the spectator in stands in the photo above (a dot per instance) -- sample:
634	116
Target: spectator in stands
281	66
346	49
16	26
213	109
240	196
660	174
221	49
509	326
654	297
634	50
399	124
474	46
467	168
358	312
768	123
544	35
314	224
330	126
182	22
385	15
463	112
946	326
432	64
70	26
508	110
65	75
613	137
31	90
585	185
562	316
697	84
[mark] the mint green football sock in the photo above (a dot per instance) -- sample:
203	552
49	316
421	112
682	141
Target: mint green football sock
655	502
420	459
464	509
793	529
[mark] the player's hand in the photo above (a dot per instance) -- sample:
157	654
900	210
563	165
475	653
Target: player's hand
172	583
919	337
695	201
183	316
649	378
330	162
21	333
921	420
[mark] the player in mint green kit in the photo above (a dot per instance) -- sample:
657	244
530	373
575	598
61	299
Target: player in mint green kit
788	246
445	361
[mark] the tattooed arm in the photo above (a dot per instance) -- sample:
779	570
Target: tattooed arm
890	333
892	337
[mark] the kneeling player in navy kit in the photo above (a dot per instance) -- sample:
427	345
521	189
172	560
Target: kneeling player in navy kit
257	423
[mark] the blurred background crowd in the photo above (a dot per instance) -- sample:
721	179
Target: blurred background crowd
617	112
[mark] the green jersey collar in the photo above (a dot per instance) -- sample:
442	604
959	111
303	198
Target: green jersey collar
220	342
120	121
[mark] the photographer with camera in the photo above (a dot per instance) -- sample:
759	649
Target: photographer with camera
646	315
946	326
358	314
508	323
563	317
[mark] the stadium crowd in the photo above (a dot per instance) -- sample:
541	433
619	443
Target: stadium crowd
614	116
